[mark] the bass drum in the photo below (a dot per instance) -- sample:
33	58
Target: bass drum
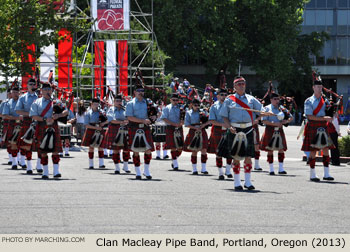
65	130
158	132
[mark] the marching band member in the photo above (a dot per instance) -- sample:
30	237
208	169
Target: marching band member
23	108
240	133
80	115
94	133
14	125
160	142
274	137
5	125
256	145
71	120
217	131
171	115
197	138
316	133
140	136
116	135
46	132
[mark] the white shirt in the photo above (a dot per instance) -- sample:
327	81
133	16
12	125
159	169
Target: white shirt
80	118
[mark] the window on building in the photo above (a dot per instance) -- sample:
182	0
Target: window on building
331	3
343	3
310	17
342	18
321	3
311	4
342	51
330	51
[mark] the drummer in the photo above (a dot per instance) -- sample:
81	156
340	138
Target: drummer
71	120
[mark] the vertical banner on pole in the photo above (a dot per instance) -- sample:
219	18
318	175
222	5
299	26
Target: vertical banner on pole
123	66
111	58
47	60
65	70
29	59
99	70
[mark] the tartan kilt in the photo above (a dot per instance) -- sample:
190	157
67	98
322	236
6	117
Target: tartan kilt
40	133
267	135
310	133
5	123
169	140
110	135
216	133
25	126
190	136
256	134
132	132
88	135
10	127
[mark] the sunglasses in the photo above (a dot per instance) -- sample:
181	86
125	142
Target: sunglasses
140	90
31	84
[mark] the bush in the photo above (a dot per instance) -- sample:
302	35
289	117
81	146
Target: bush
344	146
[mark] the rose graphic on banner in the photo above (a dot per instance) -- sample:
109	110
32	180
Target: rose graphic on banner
111	19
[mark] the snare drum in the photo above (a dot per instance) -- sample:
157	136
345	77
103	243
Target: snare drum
159	134
65	130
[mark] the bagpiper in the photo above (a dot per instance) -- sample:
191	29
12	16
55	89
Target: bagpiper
174	141
217	133
5	125
94	122
47	134
140	136
197	137
316	136
14	125
274	138
117	135
23	108
239	144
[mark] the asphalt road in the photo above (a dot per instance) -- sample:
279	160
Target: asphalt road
98	201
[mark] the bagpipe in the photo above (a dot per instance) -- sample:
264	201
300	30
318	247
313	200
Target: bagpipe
334	106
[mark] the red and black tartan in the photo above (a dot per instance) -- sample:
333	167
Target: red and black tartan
215	137
5	123
256	134
190	136
267	135
25	126
40	133
10	127
132	132
310	133
110	135
88	135
169	138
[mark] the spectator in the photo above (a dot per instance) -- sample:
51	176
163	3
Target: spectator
186	83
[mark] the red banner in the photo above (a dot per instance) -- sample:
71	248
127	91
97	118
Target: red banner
123	66
65	70
31	59
99	71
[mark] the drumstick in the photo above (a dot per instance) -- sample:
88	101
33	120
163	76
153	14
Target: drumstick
255	110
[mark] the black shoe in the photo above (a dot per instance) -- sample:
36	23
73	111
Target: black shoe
24	166
61	155
66	155
221	177
229	175
39	171
308	162
328	178
138	177
158	158
282	172
29	172
14	167
116	172
105	156
272	173
91	167
102	166
251	187
205	172
149	177
195	173
58	175
315	179
127	171
258	169
175	168
9	162
44	177
238	188
165	157
110	155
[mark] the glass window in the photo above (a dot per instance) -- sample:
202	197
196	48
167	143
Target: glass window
331	3
329	17
311	4
348	56
342	17
343	3
330	52
342	51
321	3
310	17
320	17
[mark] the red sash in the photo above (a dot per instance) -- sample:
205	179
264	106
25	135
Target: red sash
319	106
48	106
242	104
